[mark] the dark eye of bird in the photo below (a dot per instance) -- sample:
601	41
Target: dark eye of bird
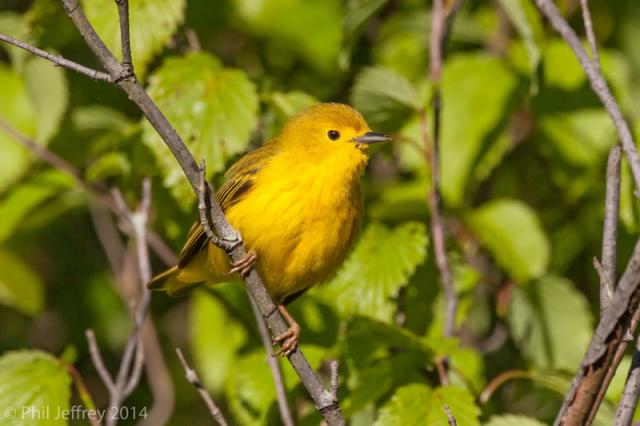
334	135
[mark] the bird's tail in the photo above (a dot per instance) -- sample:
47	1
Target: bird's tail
168	281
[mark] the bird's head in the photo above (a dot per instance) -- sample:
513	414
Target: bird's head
329	130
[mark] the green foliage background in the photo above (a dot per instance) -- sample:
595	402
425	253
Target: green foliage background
524	147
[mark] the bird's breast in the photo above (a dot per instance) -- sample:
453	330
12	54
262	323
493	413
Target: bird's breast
301	225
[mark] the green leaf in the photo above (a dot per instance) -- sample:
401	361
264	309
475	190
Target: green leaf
359	12
417	404
165	15
20	286
24	197
511	231
283	106
541	317
385	98
580	138
35	387
479	88
47	88
215	338
16	108
213	108
282	22
112	164
250	389
527	21
14	26
98	117
512	420
381	263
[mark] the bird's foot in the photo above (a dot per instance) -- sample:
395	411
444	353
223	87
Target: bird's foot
244	265
289	339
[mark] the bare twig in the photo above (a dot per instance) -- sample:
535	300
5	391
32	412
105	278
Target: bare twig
58	60
98	362
598	84
42	152
84	394
450	419
591	36
335	378
629	399
499	380
193	378
123	262
324	401
439	32
274	366
606	286
97	190
610	227
125	39
130	369
607	346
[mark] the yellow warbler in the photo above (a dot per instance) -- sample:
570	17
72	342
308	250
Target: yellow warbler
297	204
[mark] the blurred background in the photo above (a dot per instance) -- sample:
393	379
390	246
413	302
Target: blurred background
524	150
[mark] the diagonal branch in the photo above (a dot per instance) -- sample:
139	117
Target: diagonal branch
631	393
591	36
58	60
440	27
598	84
274	366
620	318
193	378
125	39
325	402
610	227
97	190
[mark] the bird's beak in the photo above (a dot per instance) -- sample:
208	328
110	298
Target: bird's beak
370	138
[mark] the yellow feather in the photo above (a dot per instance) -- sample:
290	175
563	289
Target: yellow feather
296	201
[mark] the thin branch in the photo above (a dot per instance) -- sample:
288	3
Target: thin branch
499	380
125	39
591	36
324	401
42	152
274	366
606	286
193	378
84	394
606	348
98	362
130	370
58	60
629	398
97	190
450	419
335	378
439	32
620	318
598	84
610	227
125	267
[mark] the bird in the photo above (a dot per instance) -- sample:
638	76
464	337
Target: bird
297	203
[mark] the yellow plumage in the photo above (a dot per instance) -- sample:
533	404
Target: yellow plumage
296	202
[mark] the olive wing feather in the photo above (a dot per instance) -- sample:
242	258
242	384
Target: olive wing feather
240	179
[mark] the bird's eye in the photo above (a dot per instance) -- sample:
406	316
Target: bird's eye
334	135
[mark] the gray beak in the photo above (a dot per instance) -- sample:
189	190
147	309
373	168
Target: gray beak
370	138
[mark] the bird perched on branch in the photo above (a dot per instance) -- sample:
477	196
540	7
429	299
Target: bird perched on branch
297	203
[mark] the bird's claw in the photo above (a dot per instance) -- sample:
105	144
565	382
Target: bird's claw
244	265
288	341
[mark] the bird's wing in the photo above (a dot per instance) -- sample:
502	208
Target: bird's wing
240	178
